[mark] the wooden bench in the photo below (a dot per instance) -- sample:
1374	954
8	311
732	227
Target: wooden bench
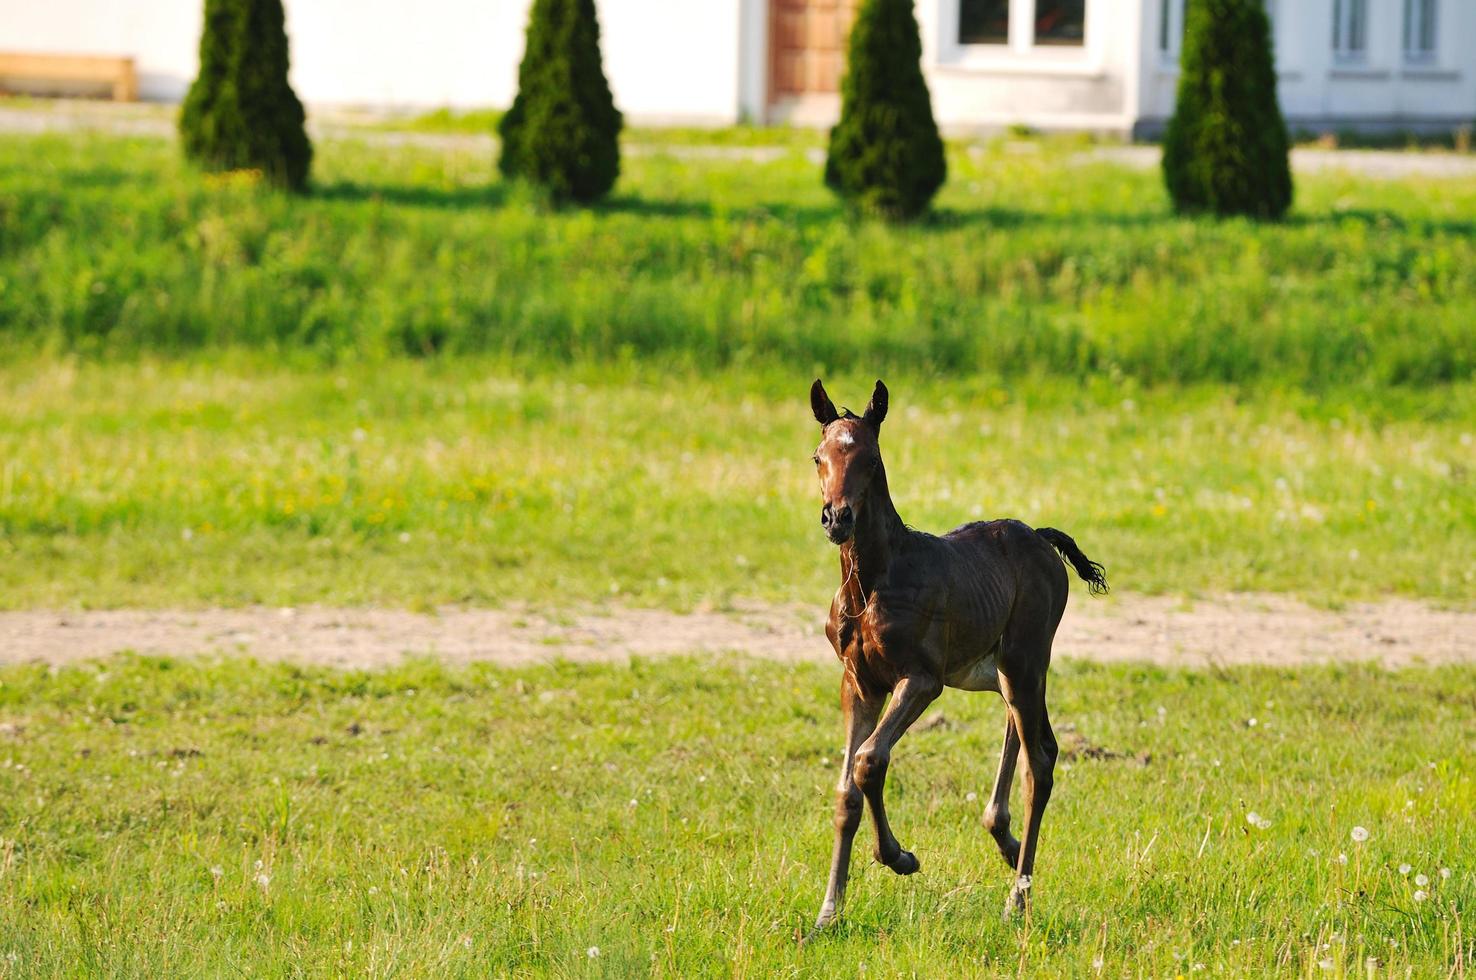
115	73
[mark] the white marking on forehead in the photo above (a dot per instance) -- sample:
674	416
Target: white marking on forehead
844	438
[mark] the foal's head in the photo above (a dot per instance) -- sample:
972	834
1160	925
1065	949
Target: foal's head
847	460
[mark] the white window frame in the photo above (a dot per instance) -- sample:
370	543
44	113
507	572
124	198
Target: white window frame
1345	14
1022	55
1421	18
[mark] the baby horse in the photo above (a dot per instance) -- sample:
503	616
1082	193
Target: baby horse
975	609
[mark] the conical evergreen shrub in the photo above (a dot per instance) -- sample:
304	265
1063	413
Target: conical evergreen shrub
240	112
562	133
886	157
1225	150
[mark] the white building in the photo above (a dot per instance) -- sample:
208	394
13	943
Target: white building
1108	65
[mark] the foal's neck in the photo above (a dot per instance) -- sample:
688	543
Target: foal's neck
879	533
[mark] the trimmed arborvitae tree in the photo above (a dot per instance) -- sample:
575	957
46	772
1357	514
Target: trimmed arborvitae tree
240	113
562	133
1225	150
886	157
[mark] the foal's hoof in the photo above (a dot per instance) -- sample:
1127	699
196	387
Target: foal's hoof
828	915
1019	898
905	863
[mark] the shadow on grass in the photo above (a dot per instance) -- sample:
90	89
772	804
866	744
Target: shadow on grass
478	197
484	197
1383	220
96	178
1011	218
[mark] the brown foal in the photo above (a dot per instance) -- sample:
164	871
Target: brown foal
975	609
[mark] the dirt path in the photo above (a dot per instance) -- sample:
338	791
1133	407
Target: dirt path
1228	630
1376	164
158	120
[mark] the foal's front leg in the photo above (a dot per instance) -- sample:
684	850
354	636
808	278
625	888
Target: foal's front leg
860	716
910	698
997	812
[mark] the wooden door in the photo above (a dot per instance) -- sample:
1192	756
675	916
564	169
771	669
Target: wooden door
807	44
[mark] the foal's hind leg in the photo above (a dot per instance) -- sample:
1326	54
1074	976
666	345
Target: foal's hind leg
1028	710
997	812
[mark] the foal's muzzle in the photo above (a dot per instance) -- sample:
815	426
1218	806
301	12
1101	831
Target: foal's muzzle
839	522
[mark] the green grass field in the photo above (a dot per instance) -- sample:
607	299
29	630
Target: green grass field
197	818
1037	263
239	481
415	387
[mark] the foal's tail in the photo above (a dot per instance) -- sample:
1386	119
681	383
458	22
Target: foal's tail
1092	573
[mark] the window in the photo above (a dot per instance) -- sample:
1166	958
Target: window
1170	29
1419	31
1350	29
1060	22
984	22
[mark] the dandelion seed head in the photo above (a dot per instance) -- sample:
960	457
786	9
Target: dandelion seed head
1360	834
1404	869
1422	880
1420	895
970	797
592	952
1444	874
264	880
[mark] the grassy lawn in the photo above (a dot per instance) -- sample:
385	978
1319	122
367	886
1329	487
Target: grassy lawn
1036	263
217	817
238	480
415	387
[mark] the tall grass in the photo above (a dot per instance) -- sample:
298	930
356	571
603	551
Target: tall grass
1037	263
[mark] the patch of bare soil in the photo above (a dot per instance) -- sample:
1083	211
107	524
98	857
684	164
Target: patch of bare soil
1231	629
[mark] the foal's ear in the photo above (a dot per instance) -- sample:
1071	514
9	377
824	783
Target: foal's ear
821	404
876	410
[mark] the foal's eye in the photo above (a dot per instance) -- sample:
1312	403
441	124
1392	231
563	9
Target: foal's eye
815	459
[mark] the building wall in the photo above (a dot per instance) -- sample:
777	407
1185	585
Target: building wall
706	61
1318	92
667	60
